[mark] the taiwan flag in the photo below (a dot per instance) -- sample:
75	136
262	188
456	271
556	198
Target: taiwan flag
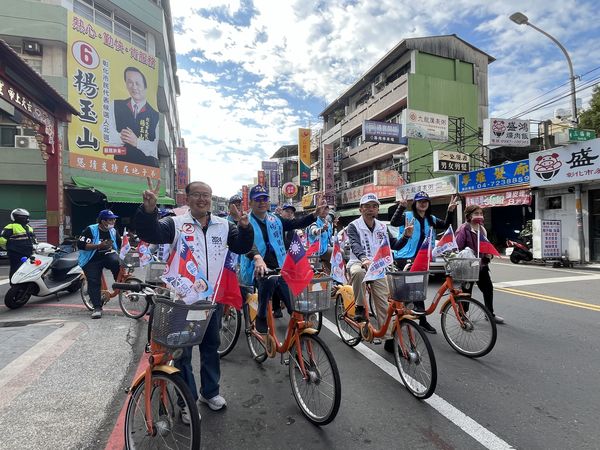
446	243
381	261
188	267
486	246
125	245
228	288
296	270
313	248
338	266
421	262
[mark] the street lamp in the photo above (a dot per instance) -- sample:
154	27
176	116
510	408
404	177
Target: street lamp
521	19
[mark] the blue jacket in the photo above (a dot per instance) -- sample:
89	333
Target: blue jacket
86	255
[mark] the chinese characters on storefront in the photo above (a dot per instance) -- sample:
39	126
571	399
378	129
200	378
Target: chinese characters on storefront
509	132
447	161
424	125
497	177
508	198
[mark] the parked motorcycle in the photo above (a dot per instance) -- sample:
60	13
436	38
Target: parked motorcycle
521	251
48	271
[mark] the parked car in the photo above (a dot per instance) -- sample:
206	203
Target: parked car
437	266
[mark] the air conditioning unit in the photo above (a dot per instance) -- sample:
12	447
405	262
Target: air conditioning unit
32	48
26	142
380	80
348	184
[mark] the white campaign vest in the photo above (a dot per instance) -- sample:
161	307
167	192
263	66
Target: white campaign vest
209	250
370	241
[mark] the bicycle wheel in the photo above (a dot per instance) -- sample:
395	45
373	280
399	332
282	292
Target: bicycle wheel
318	394
84	294
317	321
415	359
477	335
256	347
231	324
133	304
350	335
168	396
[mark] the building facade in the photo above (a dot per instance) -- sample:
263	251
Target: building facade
114	62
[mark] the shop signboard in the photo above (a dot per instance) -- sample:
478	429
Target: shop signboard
506	198
386	132
435	187
304	156
574	163
496	177
576	135
289	190
269	165
424	125
328	179
353	195
114	85
245	198
387	178
181	155
547	238
447	161
507	132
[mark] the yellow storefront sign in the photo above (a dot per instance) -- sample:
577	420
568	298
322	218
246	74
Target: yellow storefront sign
114	86
304	156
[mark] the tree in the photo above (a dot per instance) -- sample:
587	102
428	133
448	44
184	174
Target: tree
590	118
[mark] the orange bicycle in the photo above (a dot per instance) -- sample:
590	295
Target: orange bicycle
158	395
413	353
133	304
467	324
314	375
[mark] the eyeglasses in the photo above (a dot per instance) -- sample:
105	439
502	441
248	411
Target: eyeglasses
202	195
262	200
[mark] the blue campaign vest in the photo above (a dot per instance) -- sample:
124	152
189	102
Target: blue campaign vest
324	237
86	255
410	249
275	233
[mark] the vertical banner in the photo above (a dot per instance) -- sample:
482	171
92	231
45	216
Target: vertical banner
304	156
245	202
114	85
274	186
261	178
181	154
328	181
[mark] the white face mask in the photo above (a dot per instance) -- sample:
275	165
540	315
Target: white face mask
110	226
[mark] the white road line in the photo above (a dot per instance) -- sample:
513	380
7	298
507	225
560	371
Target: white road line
506	284
4	282
481	434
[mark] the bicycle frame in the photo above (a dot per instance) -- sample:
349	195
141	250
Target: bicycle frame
125	273
447	288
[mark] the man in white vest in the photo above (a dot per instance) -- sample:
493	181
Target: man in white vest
209	237
366	235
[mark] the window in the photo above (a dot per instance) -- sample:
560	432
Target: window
7	135
35	62
106	18
554	202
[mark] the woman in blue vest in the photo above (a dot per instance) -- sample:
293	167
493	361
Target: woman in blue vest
321	231
98	249
413	228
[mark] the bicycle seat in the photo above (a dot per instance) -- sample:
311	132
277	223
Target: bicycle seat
65	261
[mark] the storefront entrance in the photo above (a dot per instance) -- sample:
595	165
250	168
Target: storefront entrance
594	208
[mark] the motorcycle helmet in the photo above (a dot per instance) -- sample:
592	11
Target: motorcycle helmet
165	212
19	215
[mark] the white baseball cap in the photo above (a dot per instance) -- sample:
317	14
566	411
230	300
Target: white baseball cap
369	198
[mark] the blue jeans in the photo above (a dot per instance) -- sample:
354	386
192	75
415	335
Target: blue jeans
267	287
210	363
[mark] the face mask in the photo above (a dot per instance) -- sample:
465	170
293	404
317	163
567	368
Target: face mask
477	220
110	226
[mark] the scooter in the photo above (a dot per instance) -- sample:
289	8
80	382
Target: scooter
48	271
521	251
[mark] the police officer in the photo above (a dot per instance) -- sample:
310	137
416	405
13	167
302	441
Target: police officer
18	238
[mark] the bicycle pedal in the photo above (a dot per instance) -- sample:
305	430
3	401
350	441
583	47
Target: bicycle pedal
147	348
285	360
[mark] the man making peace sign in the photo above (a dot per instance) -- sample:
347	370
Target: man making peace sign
209	237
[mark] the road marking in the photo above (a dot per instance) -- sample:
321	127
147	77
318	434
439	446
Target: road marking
481	434
551	299
4	282
507	284
28	367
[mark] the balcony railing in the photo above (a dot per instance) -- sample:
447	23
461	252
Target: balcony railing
368	152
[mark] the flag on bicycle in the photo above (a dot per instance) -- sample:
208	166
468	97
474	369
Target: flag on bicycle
183	276
421	262
445	244
315	247
296	271
228	288
125	245
338	265
381	261
145	253
485	246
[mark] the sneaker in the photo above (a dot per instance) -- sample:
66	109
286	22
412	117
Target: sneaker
498	319
359	313
185	415
216	403
376	341
388	346
277	314
261	325
427	327
97	313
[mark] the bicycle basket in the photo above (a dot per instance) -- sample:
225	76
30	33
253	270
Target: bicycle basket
315	297
132	258
154	271
463	269
179	325
408	286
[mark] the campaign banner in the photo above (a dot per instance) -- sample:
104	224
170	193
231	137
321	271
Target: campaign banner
261	178
114	85
495	177
304	156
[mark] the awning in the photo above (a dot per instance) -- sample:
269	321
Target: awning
383	209
121	191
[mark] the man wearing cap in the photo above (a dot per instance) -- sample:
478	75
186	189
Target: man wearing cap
413	227
366	235
235	208
98	249
288	212
268	251
322	230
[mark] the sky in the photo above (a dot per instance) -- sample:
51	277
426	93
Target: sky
254	71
